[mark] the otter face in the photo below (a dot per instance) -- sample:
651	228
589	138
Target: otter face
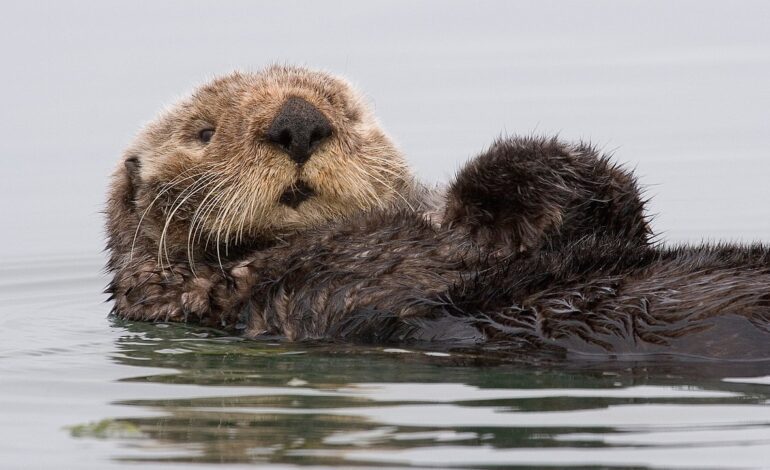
249	157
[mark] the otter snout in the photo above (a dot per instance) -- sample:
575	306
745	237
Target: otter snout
298	129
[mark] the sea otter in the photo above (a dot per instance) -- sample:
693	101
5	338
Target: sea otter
272	203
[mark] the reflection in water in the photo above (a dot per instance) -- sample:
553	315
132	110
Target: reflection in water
334	404
124	393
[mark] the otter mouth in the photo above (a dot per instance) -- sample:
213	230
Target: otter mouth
296	194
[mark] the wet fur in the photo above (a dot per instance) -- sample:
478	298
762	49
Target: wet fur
539	246
522	189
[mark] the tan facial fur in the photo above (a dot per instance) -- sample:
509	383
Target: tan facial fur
187	197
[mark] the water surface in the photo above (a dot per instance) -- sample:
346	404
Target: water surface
81	391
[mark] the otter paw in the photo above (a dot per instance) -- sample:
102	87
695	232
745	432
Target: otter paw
195	297
508	197
149	293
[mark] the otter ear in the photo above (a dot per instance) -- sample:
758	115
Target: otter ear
133	165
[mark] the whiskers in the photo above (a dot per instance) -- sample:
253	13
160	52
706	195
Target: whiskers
223	204
186	194
200	191
165	188
386	173
231	210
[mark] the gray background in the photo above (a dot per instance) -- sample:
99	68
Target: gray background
678	90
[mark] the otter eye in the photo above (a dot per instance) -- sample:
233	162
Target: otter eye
205	135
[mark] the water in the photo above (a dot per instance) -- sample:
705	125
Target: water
86	392
677	89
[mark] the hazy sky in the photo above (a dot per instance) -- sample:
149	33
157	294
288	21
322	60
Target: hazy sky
681	90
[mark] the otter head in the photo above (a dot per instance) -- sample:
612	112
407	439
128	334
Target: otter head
248	158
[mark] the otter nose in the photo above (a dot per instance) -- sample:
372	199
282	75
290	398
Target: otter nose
298	128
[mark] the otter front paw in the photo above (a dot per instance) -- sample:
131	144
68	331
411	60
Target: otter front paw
508	197
195	298
147	292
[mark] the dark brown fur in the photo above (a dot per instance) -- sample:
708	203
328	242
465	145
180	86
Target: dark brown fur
535	193
540	246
